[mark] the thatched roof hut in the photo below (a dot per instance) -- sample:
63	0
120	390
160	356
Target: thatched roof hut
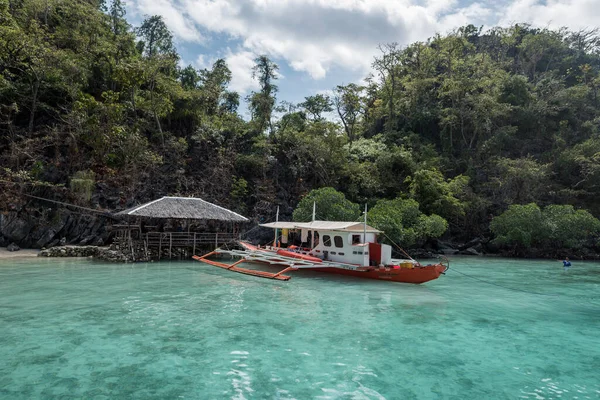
183	208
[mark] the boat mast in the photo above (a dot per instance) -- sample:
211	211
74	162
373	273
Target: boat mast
276	220
312	236
365	227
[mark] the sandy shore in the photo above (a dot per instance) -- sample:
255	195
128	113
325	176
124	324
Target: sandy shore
23	253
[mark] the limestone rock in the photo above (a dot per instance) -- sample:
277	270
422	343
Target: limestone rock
470	252
46	238
101	253
447	251
13	247
15	229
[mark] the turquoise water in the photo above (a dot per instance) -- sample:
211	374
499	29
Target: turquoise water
183	330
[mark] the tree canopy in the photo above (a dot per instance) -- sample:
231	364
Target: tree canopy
459	126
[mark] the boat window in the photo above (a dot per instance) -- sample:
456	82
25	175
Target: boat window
355	239
326	240
339	241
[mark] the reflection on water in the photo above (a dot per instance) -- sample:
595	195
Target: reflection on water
80	329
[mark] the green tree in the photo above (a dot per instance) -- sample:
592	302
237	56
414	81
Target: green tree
520	225
556	227
569	228
331	205
348	103
214	85
155	37
388	66
118	23
404	223
438	195
262	103
317	105
519	181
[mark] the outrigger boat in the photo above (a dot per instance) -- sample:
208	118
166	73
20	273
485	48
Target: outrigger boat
347	248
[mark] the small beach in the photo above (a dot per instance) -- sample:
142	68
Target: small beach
23	253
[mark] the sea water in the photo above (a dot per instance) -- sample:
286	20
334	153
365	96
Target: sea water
488	329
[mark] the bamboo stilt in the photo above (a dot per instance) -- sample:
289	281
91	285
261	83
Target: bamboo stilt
194	251
160	247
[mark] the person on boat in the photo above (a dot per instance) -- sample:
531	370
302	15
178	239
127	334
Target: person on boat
566	263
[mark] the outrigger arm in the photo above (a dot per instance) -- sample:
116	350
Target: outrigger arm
254	254
233	267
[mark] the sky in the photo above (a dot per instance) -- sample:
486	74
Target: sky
319	44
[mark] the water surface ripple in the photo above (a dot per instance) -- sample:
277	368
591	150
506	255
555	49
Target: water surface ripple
83	329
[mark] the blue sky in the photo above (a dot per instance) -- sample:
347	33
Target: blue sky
319	44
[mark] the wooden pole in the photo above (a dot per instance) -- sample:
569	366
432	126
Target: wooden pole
131	246
276	221
194	251
170	244
216	240
146	248
159	245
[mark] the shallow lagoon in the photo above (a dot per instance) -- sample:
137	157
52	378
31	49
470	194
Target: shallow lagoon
81	329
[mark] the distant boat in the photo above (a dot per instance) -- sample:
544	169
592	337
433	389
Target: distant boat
346	248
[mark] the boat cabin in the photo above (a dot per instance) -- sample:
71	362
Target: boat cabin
343	242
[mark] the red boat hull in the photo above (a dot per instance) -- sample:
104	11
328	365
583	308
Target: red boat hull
407	275
299	256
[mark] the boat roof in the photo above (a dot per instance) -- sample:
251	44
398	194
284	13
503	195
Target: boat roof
338	226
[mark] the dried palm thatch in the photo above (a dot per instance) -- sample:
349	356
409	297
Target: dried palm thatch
183	208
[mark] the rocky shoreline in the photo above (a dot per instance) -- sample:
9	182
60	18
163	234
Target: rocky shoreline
39	228
110	253
100	253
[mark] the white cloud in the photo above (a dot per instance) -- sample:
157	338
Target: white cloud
203	62
311	35
240	63
315	36
573	14
176	18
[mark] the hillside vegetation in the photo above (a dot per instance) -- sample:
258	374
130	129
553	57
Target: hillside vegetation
444	136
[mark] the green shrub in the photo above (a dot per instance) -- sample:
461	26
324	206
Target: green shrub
82	184
404	223
557	226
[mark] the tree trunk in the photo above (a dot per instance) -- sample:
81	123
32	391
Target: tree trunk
158	126
34	91
133	98
46	13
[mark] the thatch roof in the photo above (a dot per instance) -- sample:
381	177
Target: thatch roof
183	208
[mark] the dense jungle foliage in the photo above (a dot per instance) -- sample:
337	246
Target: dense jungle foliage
443	136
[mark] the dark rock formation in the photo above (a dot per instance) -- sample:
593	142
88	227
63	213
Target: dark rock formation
13	247
39	228
14	228
420	253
